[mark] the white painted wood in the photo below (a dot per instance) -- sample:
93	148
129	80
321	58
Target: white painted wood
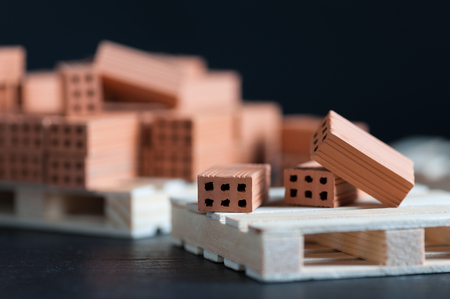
212	257
233	265
193	249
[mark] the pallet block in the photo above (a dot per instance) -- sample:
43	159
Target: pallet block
42	93
137	76
310	184
82	91
237	188
279	243
130	209
362	160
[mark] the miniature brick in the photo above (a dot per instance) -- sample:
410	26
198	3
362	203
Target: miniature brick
23	132
25	166
42	93
310	184
82	91
238	188
132	75
12	68
191	65
362	160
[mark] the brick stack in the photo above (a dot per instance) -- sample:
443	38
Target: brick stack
92	151
42	93
12	68
183	144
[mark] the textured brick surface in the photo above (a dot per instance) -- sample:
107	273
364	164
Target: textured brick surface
238	188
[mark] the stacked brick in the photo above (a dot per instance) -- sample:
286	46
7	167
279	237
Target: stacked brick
184	144
92	151
42	93
22	143
12	68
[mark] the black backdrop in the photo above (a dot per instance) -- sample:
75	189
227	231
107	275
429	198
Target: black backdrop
384	63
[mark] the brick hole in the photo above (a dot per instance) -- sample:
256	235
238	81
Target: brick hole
77	108
37	142
26	127
67	143
324	123
308	179
324	130
315	141
14	141
89	78
91	107
55	179
79	130
67	179
187	139
174	138
187	125
315	135
37	128
24	159
323	195
324	137
225	203
173	172
241	187
54	129
35	160
55	164
79	166
55	142
79	144
24	173
67	130
79	180
225	187
67	165
293	178
209	186
13	127
293	192
90	93
323	181
316	148
76	94
187	160
209	202
75	79
242	203
308	194
26	141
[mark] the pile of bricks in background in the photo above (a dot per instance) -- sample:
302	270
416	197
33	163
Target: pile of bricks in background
127	113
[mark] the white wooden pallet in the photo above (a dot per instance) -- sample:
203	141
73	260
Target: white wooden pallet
279	243
133	209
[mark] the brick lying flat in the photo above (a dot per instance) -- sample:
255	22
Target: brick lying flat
310	184
176	82
238	188
82	90
42	93
362	160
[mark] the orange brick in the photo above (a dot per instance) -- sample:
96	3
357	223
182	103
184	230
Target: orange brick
310	184
42	93
238	188
362	160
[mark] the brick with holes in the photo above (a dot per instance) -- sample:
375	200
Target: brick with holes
82	92
24	166
236	188
362	160
310	184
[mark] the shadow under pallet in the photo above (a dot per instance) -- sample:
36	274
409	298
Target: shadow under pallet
280	243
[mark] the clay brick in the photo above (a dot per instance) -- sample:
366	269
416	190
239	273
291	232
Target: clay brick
132	75
93	135
191	130
12	64
82	90
191	65
79	171
24	166
9	97
310	184
23	132
362	160
238	188
42	93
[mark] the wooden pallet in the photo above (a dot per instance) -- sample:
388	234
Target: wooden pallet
130	209
279	243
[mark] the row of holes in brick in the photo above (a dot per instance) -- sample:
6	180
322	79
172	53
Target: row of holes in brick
308	194
225	203
225	187
308	179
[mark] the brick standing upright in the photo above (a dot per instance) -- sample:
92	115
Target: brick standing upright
310	184
362	160
238	188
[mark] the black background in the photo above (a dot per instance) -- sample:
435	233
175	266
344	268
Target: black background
386	63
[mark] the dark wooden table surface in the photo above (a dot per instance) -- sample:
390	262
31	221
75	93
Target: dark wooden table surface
47	265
